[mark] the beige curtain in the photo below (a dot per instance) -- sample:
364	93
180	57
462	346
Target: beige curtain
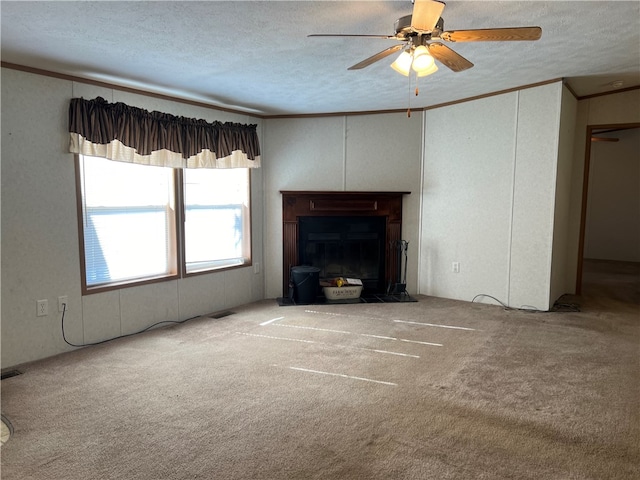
129	134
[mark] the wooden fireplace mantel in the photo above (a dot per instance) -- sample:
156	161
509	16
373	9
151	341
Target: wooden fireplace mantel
297	204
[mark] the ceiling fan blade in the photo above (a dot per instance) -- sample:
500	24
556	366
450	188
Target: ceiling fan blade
376	57
448	57
389	37
493	34
426	14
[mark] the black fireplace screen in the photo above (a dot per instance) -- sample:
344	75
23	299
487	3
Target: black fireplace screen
343	246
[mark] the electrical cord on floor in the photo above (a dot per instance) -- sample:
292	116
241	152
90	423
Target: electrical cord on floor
565	307
557	307
507	307
64	309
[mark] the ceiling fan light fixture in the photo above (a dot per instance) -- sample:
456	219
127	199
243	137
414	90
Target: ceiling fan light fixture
422	60
402	64
428	71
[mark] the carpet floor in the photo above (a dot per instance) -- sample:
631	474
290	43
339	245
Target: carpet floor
431	389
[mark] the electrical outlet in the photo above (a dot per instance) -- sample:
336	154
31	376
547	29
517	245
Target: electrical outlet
455	267
63	303
43	308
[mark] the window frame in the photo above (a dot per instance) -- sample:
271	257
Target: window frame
177	238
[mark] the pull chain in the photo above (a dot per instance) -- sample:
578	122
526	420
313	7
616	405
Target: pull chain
417	92
409	109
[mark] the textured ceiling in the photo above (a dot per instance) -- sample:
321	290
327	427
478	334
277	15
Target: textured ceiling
256	57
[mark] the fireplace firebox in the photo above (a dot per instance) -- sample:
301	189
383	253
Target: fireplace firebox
344	234
345	246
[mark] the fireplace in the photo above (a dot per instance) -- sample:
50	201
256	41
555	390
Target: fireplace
345	246
344	234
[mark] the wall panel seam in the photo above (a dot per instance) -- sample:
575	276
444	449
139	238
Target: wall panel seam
513	197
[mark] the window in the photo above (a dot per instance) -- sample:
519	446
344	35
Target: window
132	225
216	218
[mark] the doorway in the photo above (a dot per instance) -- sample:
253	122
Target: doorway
608	256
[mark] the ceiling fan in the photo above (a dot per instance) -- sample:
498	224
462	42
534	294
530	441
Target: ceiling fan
417	33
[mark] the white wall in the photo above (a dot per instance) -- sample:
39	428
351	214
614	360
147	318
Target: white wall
613	207
534	196
562	280
467	198
40	253
342	153
489	197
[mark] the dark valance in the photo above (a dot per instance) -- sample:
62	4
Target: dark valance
130	134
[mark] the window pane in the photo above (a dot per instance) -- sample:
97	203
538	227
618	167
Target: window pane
216	218
128	220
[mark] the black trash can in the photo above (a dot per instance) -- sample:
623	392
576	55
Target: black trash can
306	281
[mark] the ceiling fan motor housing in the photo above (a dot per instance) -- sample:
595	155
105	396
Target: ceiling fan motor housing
404	30
402	26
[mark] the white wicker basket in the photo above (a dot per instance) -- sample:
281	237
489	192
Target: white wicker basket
346	292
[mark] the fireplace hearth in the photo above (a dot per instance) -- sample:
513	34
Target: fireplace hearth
344	234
